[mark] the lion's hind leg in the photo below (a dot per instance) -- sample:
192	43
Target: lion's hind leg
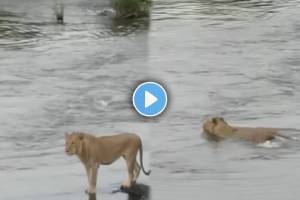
137	170
131	163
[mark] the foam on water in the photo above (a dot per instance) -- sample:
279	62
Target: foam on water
269	144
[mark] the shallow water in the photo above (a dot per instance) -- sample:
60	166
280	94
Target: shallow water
238	59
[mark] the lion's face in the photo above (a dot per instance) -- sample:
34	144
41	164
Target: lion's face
73	143
214	126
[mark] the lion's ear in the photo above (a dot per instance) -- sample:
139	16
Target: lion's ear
81	136
222	119
214	120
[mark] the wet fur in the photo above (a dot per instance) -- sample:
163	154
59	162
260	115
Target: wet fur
218	129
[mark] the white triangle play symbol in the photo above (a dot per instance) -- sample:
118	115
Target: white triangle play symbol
149	99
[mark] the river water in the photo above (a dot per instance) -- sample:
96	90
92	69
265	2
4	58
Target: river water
236	59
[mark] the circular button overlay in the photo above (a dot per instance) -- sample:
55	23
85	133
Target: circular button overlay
150	99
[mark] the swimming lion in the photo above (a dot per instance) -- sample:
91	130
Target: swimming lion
218	129
95	151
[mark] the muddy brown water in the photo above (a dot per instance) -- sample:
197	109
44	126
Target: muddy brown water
238	59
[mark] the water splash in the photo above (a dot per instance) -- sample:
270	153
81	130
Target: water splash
269	144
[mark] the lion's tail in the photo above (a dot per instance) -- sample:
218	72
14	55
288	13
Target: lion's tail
141	160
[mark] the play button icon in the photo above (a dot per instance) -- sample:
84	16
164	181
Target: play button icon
149	99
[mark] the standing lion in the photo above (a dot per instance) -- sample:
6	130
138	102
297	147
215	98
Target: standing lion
95	151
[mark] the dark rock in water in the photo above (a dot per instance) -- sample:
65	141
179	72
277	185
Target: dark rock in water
59	18
137	192
92	197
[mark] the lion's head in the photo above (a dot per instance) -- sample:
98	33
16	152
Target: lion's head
73	143
217	128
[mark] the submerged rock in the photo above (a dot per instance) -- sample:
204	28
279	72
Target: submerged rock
137	191
132	8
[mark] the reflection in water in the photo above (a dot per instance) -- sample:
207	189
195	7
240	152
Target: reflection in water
215	10
4	13
18	32
240	3
129	26
12	28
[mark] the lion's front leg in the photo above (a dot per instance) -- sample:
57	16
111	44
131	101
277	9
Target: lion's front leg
92	172
88	174
93	179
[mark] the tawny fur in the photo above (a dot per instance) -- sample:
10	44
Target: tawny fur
218	129
95	151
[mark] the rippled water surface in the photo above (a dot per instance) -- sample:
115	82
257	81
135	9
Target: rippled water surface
237	59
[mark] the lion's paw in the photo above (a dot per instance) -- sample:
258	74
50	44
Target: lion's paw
88	192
